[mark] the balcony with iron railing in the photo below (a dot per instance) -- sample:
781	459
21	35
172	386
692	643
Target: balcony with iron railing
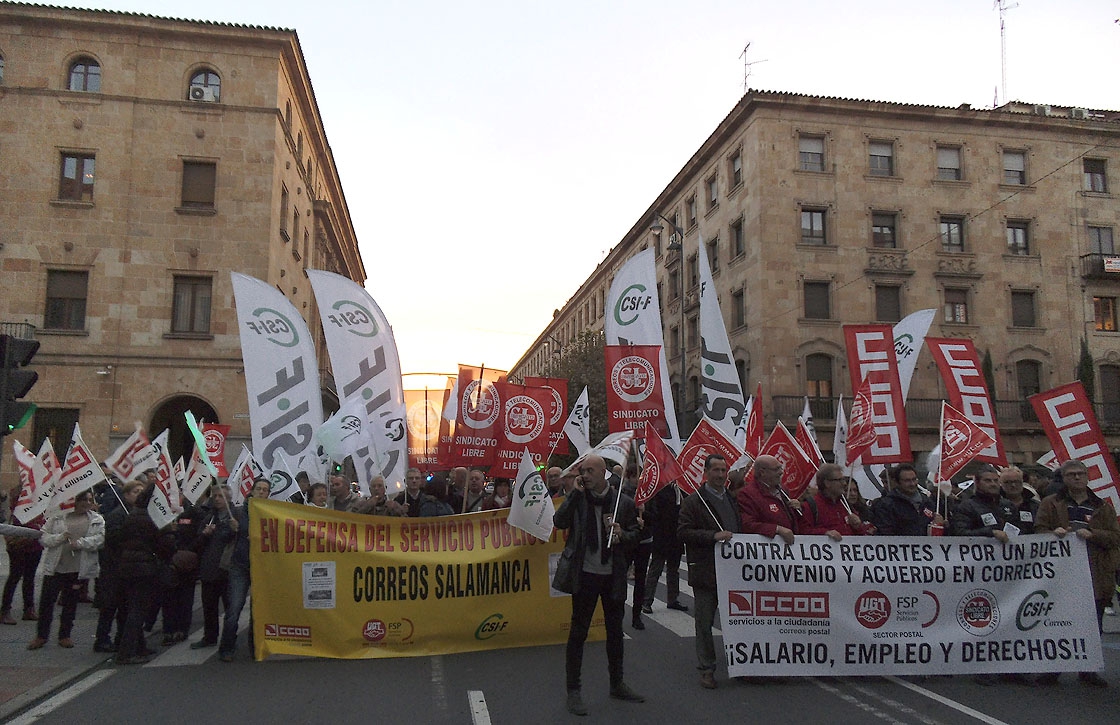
23	330
1100	266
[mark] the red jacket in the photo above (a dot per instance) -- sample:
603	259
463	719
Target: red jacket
823	515
763	512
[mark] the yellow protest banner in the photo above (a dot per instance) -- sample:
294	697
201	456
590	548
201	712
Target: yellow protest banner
331	584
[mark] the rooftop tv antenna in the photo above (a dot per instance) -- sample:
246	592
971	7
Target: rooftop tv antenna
747	67
1003	7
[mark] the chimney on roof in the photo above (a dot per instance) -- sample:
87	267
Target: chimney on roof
964	107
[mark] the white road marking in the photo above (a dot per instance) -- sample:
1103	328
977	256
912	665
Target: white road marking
44	709
479	714
856	702
976	714
182	654
895	704
439	694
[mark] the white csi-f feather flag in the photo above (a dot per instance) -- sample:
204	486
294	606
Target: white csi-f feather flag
634	318
577	426
721	393
364	359
532	508
281	372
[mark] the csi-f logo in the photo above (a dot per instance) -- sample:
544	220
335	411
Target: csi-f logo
491	626
274	326
532	490
278	481
354	318
632	378
632	301
351	424
524	419
904	346
1034	609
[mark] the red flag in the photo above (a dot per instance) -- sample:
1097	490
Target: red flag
961	440
447	419
215	436
967	391
423	414
1072	429
861	430
797	468
805	441
704	441
633	389
659	468
477	424
558	388
871	357
523	426
754	424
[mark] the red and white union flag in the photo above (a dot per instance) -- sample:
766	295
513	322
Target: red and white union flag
961	440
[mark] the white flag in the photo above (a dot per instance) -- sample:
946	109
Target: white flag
241	476
344	433
197	478
35	485
532	507
282	481
615	447
1048	460
577	426
122	461
80	472
162	508
366	367
807	416
721	394
840	438
281	371
634	318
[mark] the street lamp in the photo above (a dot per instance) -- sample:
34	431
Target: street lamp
676	243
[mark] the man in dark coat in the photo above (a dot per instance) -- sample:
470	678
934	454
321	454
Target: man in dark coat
597	547
662	512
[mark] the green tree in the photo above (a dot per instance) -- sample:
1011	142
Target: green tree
1085	371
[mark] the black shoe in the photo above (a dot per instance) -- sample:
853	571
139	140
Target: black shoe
226	657
637	623
1092	679
623	692
203	644
646	609
575	703
677	606
106	647
137	660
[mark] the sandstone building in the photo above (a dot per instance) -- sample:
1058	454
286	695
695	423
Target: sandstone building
144	159
815	212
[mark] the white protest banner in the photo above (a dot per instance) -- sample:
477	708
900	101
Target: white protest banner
163	508
80	471
197	478
364	359
245	470
907	606
122	461
634	318
35	485
281	371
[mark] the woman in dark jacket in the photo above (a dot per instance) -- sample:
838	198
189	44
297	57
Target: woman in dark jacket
144	550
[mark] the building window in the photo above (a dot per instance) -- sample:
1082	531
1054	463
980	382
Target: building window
693	271
693	332
307	249
949	163
55	424
75	178
656	245
299	146
884	230
690	206
285	200
1014	167
1018	238
1	69
206	85
1095	179
738	309
288	115
713	256
199	178
952	234
713	192
888	303
1028	375
881	158
674	284
190	310
811	153
1023	309
295	224
1110	392
85	75
956	306
738	247
735	165
675	340
1104	314
741	373
816	301
812	227
1100	240
66	300
818	376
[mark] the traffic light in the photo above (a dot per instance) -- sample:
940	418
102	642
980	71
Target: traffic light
16	381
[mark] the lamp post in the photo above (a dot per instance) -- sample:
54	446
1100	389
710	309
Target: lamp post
676	243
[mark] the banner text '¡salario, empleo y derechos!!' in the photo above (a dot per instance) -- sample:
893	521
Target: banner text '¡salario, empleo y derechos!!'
306	536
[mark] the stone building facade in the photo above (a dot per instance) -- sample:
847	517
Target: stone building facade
144	159
817	212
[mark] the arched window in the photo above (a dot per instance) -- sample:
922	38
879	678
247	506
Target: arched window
299	146
1110	393
288	114
85	75
818	384
1028	376
206	85
1	69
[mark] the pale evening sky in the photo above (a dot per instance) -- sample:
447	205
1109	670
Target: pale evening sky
493	152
